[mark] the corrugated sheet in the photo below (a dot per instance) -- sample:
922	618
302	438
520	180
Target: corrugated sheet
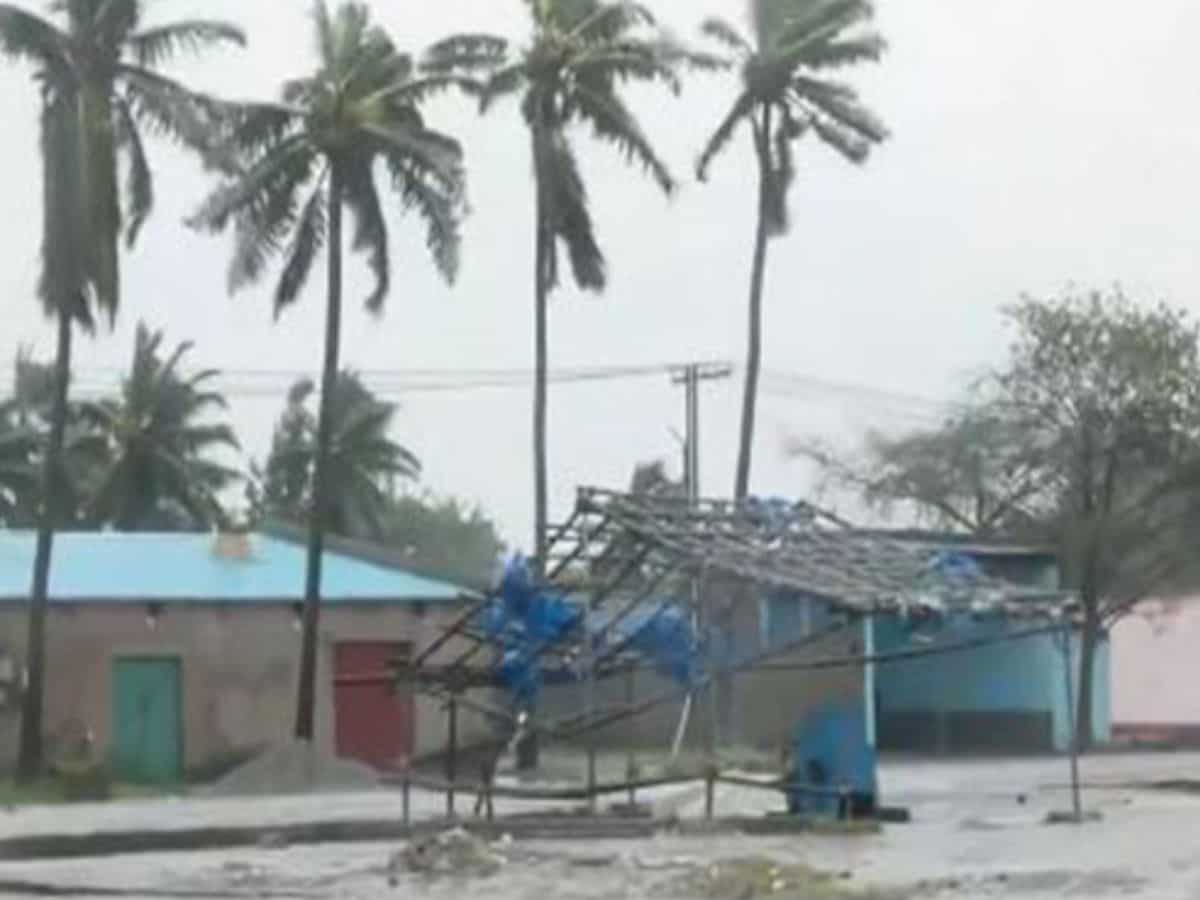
112	567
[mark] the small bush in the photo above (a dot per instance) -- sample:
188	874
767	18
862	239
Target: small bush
84	782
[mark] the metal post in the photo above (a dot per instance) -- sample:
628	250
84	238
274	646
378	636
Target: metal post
710	783
692	398
589	661
684	717
452	756
691	377
712	736
1072	725
590	686
406	798
630	763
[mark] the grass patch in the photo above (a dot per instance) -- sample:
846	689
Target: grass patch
54	791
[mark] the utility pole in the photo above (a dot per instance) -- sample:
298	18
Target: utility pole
691	377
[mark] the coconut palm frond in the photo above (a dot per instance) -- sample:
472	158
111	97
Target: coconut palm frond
613	123
724	33
466	53
370	228
819	20
570	220
255	187
833	54
168	109
739	114
436	203
139	181
63	285
153	47
307	243
30	38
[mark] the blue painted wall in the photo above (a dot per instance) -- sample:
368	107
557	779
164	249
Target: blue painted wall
786	616
1015	675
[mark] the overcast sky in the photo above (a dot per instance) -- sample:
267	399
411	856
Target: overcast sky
1035	144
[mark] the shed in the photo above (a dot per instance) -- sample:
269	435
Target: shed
1005	693
793	599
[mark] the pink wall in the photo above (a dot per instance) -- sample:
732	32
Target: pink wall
1156	664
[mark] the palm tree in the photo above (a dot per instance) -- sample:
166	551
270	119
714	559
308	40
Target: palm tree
302	161
100	89
18	472
363	459
580	54
785	96
29	413
158	441
281	489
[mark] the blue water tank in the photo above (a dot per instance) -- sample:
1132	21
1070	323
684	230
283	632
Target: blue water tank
833	767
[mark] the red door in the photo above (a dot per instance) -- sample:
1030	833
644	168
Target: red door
373	720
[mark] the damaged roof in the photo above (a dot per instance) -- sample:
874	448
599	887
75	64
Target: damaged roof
798	546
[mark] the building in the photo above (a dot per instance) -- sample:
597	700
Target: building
1006	695
1153	648
177	653
810	618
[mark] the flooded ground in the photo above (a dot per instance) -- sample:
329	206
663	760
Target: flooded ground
978	831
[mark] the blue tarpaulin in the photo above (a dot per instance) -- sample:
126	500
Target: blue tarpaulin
833	761
526	619
956	567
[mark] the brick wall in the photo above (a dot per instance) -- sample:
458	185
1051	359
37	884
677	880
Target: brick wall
239	668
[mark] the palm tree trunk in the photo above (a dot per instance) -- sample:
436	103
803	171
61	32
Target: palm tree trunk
307	697
527	747
754	348
29	760
541	353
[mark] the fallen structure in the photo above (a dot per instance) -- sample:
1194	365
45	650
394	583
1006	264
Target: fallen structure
636	583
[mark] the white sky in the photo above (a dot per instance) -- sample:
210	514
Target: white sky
1035	144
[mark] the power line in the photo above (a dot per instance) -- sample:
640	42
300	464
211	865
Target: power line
248	382
801	381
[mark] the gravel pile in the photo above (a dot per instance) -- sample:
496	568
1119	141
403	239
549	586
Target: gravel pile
295	768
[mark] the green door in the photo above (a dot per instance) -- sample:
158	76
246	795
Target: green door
147	721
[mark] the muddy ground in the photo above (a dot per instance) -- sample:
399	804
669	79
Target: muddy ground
978	830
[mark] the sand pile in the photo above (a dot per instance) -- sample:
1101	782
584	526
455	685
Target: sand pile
294	768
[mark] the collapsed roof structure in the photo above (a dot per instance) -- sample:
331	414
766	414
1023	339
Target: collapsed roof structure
597	612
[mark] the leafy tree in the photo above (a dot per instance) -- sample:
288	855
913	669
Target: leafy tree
33	387
18	472
446	537
785	96
1107	393
364	461
28	412
972	474
649	479
571	72
302	161
157	439
281	489
100	87
1085	440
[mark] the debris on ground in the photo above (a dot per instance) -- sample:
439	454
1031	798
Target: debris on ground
294	768
455	852
1051	882
753	877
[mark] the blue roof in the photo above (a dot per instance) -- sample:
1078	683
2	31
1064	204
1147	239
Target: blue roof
123	567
